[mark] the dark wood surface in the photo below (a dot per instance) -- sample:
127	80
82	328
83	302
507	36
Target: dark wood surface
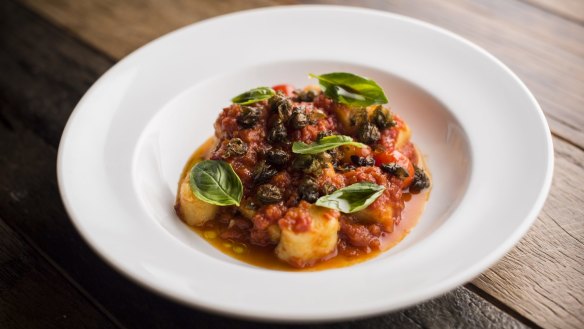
49	277
25	292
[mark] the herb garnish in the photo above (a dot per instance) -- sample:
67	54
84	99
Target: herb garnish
352	198
254	95
324	144
215	182
351	89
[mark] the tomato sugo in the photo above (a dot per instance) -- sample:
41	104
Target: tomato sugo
313	178
285	89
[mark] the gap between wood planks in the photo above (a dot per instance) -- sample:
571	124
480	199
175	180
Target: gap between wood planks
571	10
567	141
501	305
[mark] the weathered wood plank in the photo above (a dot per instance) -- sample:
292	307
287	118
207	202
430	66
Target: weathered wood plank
543	276
34	295
29	202
569	9
140	21
43	86
509	302
546	51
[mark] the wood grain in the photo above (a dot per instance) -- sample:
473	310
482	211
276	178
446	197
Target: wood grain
135	22
569	9
43	86
546	51
543	276
29	200
34	295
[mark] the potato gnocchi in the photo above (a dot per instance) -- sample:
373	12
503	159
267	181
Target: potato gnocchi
294	178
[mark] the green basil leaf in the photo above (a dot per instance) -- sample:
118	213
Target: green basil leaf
324	144
215	182
351	198
254	95
351	89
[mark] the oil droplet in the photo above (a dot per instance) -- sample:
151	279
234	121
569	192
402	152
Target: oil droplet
210	234
239	249
227	245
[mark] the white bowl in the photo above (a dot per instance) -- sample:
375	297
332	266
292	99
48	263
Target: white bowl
483	134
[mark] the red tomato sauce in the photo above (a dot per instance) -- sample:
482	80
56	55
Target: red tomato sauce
256	142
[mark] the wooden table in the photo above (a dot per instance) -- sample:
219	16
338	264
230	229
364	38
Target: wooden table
52	51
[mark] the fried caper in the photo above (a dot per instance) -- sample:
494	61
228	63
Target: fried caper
263	172
249	116
278	132
269	193
362	161
395	170
368	133
308	164
307	95
421	180
281	105
382	118
277	157
298	118
235	147
308	190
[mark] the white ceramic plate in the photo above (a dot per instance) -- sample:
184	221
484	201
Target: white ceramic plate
484	136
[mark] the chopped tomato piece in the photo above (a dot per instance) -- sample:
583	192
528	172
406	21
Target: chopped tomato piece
349	150
285	89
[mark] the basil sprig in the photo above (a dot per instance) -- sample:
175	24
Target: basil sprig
351	198
215	182
254	95
351	89
324	144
